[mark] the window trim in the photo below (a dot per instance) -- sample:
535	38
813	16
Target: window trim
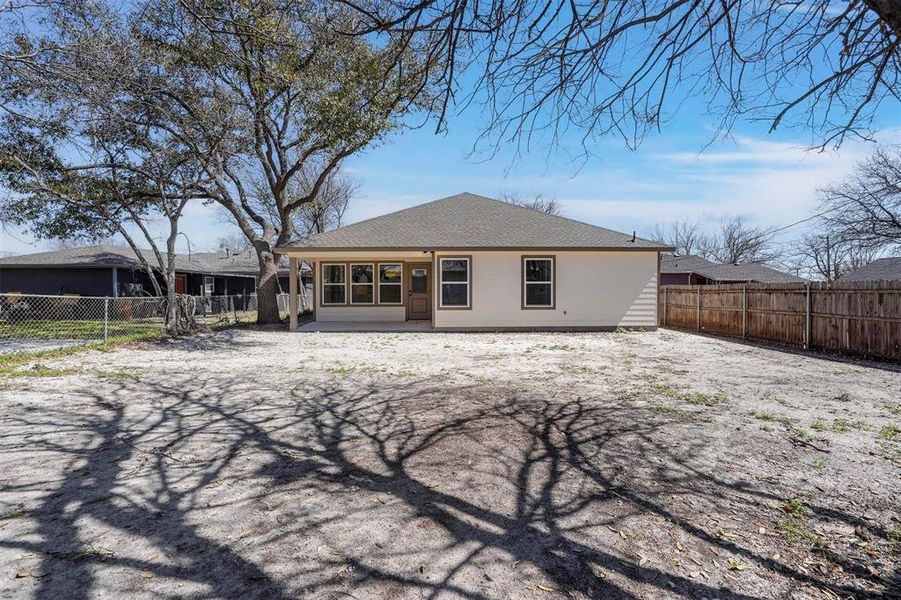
322	283
440	282
379	284
522	274
212	283
351	284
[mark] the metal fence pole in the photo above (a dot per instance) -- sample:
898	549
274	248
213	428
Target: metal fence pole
808	323
106	319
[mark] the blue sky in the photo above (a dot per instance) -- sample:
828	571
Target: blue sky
769	178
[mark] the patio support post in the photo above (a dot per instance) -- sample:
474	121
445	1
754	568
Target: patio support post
106	319
292	293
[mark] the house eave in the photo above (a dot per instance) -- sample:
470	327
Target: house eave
314	249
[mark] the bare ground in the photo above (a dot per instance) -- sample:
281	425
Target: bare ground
262	464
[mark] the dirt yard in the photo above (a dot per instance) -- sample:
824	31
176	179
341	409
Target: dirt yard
263	464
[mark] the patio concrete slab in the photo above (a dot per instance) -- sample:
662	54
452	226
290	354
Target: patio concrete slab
355	326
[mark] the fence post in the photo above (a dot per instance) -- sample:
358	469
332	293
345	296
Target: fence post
744	311
699	308
665	303
106	319
808	323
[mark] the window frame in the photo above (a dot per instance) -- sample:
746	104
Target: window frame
379	284
440	283
209	286
322	283
524	284
351	284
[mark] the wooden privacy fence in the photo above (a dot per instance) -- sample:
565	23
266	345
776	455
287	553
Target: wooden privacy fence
856	317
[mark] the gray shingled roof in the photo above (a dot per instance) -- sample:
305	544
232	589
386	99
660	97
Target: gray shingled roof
726	272
105	255
753	272
882	268
685	264
470	221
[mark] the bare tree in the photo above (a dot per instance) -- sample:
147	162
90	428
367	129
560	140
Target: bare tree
685	236
737	241
66	243
623	67
865	209
326	210
828	257
537	202
234	242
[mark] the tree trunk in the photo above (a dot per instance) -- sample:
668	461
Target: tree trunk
171	323
171	317
267	286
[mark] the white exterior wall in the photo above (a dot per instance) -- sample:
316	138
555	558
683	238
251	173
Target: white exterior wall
593	289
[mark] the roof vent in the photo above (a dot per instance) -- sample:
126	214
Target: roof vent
633	236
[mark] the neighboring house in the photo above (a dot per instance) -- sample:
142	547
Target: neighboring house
694	270
470	262
106	270
880	269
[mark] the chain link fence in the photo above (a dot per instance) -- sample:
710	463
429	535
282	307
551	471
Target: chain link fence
29	321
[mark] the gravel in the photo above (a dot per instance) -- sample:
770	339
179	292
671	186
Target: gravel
266	464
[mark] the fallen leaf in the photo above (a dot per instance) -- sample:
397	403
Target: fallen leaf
679	546
23	573
545	588
146	574
734	565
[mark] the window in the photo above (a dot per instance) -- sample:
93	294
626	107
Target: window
390	280
538	282
334	290
362	284
454	282
209	285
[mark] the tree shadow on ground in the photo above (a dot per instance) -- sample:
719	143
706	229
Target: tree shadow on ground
471	477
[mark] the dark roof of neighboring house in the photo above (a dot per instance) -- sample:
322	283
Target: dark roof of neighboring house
105	255
468	221
880	269
753	272
725	272
685	264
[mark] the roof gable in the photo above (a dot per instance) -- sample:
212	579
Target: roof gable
470	221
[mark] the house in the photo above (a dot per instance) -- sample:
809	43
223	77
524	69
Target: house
694	270
880	269
106	270
468	262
